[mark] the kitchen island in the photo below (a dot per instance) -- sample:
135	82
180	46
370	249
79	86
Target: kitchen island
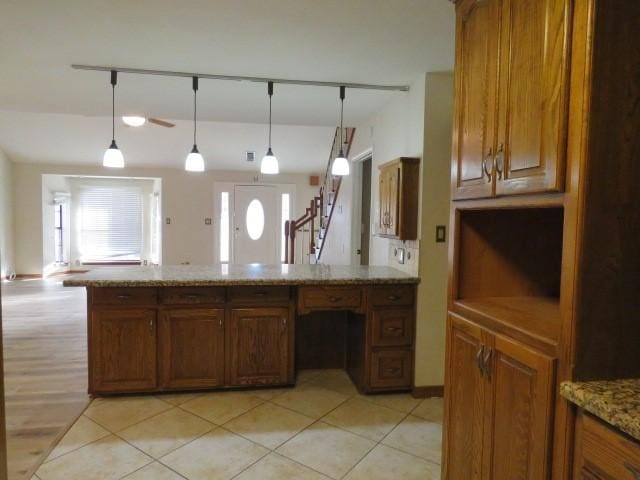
174	328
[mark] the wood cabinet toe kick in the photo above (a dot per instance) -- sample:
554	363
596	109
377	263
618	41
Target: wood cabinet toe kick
154	339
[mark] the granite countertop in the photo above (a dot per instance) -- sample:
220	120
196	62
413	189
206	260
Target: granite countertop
617	402
222	274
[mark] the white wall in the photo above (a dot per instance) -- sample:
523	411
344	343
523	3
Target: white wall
186	198
6	216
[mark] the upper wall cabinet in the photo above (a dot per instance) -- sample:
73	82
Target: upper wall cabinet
398	198
511	97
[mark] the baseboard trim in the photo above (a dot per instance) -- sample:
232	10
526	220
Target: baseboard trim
428	391
24	276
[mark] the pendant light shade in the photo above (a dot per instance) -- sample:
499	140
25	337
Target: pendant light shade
113	157
340	164
194	161
269	164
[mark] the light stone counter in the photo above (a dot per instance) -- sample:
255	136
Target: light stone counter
222	274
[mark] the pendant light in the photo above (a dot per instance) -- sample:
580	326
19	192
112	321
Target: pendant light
340	163
269	163
194	161
113	156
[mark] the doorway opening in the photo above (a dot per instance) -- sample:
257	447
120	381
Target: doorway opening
365	212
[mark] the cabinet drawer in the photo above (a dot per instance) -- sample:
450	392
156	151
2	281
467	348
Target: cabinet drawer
124	295
330	297
192	295
258	294
607	454
391	369
392	295
392	327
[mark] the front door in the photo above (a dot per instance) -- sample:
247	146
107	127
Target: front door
257	224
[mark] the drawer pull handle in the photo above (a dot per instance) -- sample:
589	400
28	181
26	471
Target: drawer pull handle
151	327
634	471
393	329
393	298
190	296
335	299
260	293
392	371
123	296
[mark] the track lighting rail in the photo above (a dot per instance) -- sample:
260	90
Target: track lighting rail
240	78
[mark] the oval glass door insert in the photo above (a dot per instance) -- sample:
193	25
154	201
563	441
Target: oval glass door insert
255	219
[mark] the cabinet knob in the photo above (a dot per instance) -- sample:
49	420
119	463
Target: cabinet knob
485	169
151	326
392	371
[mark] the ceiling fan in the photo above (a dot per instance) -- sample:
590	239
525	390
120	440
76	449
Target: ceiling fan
138	121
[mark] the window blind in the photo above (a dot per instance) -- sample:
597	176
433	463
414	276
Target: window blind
110	223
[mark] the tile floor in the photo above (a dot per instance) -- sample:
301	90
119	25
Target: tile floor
320	429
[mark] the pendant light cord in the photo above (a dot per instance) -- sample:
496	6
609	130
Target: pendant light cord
270	92
195	109
114	81
342	92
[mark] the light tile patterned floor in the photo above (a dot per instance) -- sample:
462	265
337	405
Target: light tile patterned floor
320	429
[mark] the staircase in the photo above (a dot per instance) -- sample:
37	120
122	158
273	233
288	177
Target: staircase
311	228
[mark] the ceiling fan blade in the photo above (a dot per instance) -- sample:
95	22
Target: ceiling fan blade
162	123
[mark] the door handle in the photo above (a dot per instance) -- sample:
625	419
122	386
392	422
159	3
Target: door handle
221	323
392	329
484	164
479	357
151	326
500	161
634	471
486	366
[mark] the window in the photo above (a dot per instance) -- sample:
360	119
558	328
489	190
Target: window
110	224
285	217
59	226
255	219
224	227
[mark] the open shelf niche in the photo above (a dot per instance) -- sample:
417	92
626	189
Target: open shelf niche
508	267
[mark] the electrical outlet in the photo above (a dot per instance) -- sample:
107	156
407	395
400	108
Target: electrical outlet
207	221
441	233
168	221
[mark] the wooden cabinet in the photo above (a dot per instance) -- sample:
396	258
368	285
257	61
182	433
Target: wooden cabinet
602	453
259	346
191	344
511	97
122	350
398	198
499	397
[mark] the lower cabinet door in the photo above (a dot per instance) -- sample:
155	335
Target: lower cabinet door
191	347
123	350
464	401
522	406
259	347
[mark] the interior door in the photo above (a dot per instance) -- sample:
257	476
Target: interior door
530	155
522	388
464	401
477	27
192	347
257	224
258	349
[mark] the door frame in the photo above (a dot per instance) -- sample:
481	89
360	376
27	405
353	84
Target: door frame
219	187
356	203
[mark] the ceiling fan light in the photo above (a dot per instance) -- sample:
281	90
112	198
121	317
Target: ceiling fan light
134	120
194	161
113	157
340	165
269	164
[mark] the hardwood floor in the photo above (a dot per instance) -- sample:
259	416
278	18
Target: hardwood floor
45	355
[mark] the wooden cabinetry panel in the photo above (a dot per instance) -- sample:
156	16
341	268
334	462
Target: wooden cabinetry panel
522	385
193	295
258	346
398	198
464	402
123	350
192	347
391	368
253	294
124	296
530	154
477	28
329	298
392	327
602	453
